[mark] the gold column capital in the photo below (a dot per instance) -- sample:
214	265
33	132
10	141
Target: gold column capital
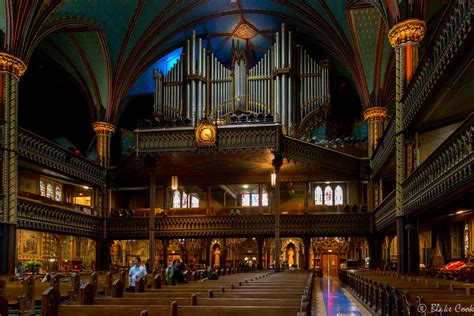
12	64
103	128
375	114
411	30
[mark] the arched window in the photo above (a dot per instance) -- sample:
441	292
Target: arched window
42	188
246	199
338	196
328	196
264	199
194	201
58	194
185	200
176	199
49	191
318	196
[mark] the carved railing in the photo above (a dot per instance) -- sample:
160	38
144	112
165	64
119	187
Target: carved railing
299	150
384	148
457	28
448	169
48	154
233	138
385	213
241	226
37	216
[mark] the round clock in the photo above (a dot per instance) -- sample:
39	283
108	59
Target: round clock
206	134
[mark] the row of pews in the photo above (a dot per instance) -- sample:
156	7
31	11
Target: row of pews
390	293
97	294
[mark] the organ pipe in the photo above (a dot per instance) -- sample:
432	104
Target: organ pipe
199	84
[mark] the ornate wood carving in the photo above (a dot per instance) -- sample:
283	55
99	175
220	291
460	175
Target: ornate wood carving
446	170
384	214
449	41
313	154
242	226
384	149
37	216
46	153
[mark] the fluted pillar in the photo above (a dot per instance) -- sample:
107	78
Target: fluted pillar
103	132
11	69
405	38
375	118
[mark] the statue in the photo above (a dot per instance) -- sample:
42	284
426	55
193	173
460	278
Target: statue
217	258
291	253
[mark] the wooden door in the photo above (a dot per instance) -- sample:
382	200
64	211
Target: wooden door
330	264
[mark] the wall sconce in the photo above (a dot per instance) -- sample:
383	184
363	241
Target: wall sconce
273	179
174	183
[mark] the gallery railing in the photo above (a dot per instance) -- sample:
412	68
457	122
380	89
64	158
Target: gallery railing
241	226
49	155
384	148
385	213
446	170
36	216
450	39
313	154
233	138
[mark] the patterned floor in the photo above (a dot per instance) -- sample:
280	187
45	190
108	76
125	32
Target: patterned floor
333	300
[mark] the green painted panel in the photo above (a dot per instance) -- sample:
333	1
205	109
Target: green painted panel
113	16
90	43
365	21
63	41
151	10
387	52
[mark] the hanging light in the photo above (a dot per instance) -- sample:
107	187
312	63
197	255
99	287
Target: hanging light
273	179
174	183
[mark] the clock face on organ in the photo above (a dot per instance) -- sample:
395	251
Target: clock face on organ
206	134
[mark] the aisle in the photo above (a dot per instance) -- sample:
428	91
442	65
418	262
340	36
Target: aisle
333	300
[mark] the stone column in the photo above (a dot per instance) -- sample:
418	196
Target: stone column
405	38
152	243
11	69
306	243
103	132
260	192
413	248
166	199
208	200
306	191
277	162
260	241
165	243
102	254
375	118
375	252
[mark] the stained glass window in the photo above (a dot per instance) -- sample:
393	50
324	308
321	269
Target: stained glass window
318	196
254	201
49	191
338	196
264	199
58	194
194	201
246	199
466	240
185	200
42	188
328	196
176	199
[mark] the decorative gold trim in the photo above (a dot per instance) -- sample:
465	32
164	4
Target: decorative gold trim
206	135
103	128
375	114
413	30
12	64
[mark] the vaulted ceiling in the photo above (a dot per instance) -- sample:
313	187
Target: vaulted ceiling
106	45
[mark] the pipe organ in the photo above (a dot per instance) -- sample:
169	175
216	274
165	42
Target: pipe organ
286	82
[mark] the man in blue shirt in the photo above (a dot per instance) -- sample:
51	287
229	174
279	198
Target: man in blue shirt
135	272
